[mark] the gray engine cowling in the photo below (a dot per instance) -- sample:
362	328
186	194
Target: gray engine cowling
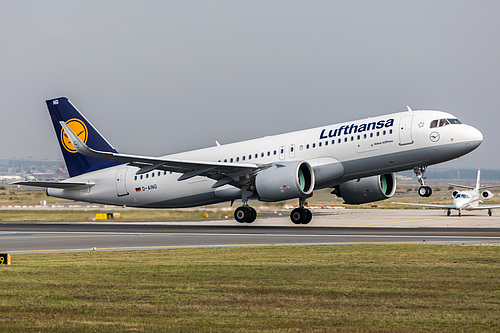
486	195
359	191
285	181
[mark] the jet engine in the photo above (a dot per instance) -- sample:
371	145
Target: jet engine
285	181
486	195
454	193
359	191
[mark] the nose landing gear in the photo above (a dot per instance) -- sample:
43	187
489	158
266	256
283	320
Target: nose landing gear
423	190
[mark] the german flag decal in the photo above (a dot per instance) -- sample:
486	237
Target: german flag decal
137	189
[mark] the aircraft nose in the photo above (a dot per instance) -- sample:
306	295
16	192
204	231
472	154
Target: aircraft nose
459	204
472	136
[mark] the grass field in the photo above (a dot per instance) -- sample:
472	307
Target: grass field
413	288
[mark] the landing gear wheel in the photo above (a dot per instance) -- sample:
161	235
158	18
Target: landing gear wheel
489	212
297	215
245	214
309	217
301	215
253	215
424	191
448	212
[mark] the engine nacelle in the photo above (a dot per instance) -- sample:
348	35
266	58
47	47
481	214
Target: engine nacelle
486	195
285	181
359	191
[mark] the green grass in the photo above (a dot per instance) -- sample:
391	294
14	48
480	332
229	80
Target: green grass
21	215
365	288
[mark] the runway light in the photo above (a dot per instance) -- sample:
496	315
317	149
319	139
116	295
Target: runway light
423	242
94	249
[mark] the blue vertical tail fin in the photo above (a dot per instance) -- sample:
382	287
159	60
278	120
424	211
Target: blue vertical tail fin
61	109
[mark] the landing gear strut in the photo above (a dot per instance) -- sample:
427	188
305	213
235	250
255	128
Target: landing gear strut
301	215
245	213
423	190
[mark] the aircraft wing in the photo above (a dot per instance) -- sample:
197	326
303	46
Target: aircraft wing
463	186
483	207
224	173
425	205
61	185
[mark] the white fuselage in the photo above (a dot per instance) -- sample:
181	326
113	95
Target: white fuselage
467	200
337	153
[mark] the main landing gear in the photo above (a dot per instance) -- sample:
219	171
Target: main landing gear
423	190
245	214
301	215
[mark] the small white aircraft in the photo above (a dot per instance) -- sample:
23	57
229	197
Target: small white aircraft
465	200
10	178
355	159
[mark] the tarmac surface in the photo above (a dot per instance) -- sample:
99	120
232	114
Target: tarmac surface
328	227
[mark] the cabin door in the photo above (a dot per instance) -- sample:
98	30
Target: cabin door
405	137
121	185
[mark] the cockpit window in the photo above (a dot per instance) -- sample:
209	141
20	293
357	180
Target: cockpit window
462	195
444	122
454	121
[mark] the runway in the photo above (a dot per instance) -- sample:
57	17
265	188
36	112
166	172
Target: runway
373	227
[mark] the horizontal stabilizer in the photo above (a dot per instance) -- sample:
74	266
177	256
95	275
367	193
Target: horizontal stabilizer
61	185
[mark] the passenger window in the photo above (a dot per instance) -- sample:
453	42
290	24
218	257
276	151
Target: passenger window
390	131
314	145
378	133
340	140
147	175
371	135
268	153
345	139
135	177
352	138
243	158
326	143
237	159
231	160
364	136
333	142
141	176
307	146
275	152
359	137
320	144
152	174
384	132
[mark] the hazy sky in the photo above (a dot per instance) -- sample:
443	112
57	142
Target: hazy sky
158	77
